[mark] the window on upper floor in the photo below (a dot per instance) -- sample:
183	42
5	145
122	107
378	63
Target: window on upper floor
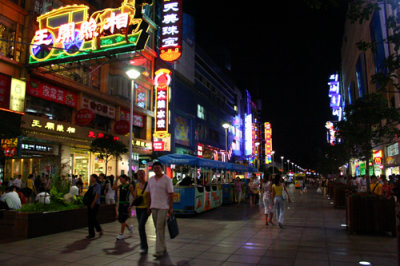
361	75
8	35
201	112
121	87
50	110
377	31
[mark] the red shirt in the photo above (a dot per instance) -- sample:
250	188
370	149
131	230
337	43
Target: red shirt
387	191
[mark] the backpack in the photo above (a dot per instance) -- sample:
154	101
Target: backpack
88	197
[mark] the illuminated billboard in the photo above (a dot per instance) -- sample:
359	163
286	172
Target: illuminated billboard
171	30
68	33
335	97
248	125
162	83
268	142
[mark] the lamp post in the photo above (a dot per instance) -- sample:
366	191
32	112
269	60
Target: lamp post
226	126
282	163
133	73
273	167
293	165
288	165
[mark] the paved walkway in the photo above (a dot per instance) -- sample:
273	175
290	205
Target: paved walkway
313	235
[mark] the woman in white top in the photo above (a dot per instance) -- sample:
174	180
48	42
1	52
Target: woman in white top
109	192
267	198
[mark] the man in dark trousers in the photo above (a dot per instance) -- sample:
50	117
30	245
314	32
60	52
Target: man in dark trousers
93	208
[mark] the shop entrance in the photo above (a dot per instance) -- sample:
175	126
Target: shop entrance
80	164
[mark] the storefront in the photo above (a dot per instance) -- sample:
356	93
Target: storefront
392	160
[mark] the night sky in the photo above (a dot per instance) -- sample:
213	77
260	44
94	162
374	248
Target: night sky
283	54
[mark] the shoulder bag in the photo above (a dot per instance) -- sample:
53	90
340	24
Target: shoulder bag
139	199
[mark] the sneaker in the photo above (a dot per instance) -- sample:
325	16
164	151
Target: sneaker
130	229
120	237
143	251
89	237
160	254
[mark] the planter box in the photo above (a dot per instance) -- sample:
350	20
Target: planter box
17	225
339	195
370	215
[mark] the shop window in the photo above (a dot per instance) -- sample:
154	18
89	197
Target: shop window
101	123
50	110
8	35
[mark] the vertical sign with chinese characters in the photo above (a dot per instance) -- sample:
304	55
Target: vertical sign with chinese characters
171	30
17	95
334	94
162	82
268	143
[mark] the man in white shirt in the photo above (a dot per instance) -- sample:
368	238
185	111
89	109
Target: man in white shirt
12	199
160	198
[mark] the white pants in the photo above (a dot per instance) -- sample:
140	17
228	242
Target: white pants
280	208
110	200
268	205
160	220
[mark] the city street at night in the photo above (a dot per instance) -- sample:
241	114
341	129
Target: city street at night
312	235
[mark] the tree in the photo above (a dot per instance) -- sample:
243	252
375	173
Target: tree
369	122
107	148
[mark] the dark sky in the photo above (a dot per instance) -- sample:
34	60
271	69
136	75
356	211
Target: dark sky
283	54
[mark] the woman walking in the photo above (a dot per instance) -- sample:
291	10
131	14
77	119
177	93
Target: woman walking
253	190
267	199
277	194
141	210
238	190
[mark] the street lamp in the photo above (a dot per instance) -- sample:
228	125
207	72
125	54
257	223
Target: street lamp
226	126
282	163
133	73
273	167
288	165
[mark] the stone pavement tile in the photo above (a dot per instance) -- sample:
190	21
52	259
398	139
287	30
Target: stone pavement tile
312	256
97	260
280	253
202	262
213	256
222	249
273	261
246	250
244	259
305	262
229	263
6	257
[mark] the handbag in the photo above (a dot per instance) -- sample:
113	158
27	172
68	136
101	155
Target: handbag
139	199
172	226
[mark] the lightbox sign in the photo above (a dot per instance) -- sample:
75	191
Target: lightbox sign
268	142
171	30
335	97
68	33
162	82
248	125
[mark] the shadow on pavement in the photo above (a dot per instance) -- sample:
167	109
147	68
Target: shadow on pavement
77	245
120	247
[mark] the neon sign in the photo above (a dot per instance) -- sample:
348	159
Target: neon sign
268	142
248	134
171	30
162	82
68	33
334	94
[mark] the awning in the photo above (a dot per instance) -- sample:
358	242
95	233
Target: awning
204	163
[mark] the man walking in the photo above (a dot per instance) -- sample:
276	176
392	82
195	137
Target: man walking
160	198
93	208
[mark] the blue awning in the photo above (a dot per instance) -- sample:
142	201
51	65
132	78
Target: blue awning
204	163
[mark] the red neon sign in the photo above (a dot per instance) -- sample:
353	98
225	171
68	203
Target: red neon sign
162	81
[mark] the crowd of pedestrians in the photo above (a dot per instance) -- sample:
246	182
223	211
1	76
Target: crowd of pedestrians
154	197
